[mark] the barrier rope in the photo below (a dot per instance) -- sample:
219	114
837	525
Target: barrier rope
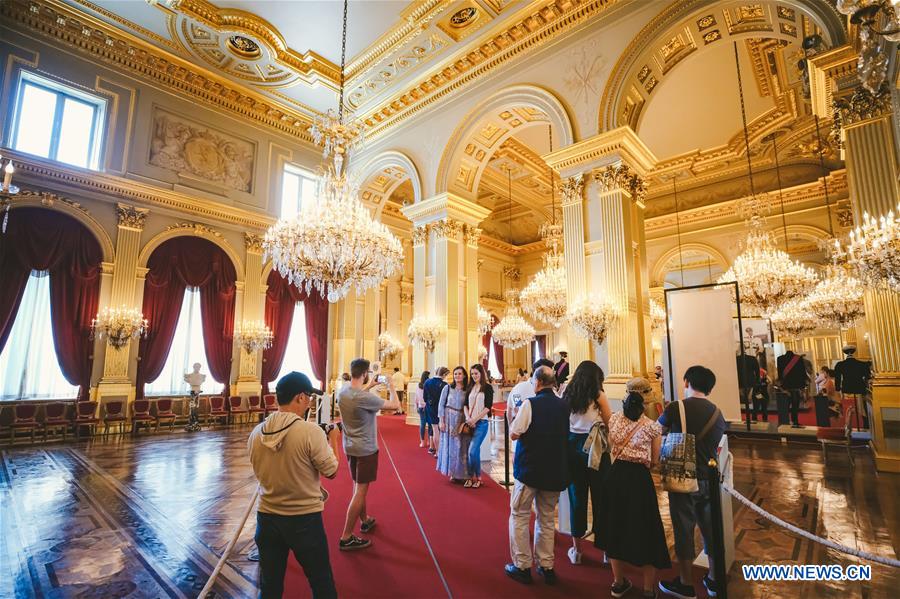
227	553
887	561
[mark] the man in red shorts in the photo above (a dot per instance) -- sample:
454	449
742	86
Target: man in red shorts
359	413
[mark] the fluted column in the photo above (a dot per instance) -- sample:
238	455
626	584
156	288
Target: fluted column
115	379
469	330
871	157
252	309
421	360
576	280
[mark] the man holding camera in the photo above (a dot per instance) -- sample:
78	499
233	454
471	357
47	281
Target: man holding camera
288	454
359	413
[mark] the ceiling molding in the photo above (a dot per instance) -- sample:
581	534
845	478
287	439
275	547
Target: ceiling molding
601	150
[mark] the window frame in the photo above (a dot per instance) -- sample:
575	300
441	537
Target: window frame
62	92
302	173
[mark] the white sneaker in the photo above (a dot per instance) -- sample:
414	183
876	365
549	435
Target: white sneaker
574	556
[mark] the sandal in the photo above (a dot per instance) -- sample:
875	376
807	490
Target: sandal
468	484
368	525
476	484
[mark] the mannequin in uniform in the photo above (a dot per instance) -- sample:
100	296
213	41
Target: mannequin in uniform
793	379
561	368
851	377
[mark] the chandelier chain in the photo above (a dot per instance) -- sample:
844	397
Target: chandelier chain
678	230
780	194
343	63
737	65
552	180
821	152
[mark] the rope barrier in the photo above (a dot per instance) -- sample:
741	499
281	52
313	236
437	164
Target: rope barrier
227	553
887	561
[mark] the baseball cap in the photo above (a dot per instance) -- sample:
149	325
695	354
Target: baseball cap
294	383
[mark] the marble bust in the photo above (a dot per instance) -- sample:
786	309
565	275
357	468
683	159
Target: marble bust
195	379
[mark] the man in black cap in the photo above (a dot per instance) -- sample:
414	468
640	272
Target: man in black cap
288	455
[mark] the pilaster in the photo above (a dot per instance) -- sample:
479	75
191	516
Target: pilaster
130	226
576	278
253	308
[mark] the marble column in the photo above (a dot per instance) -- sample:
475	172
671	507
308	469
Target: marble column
252	309
605	246
115	380
446	276
872	170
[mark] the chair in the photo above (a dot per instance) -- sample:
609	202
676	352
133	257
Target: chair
270	404
164	412
114	415
24	418
837	435
236	408
86	415
140	414
216	409
55	417
255	406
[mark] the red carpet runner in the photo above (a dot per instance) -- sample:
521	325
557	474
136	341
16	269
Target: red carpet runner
466	530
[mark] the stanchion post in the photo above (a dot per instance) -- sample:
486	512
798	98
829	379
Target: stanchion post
717	551
506	481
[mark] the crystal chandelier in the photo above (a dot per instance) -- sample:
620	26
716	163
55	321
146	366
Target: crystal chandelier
254	336
424	331
838	299
794	318
485	321
657	318
592	316
874	250
879	23
334	244
119	326
513	331
388	346
544	298
482	353
766	276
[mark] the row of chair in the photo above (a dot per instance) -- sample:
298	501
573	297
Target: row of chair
114	414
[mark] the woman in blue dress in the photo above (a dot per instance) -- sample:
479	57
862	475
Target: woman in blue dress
453	448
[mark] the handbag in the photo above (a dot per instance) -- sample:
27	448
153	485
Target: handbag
465	429
678	456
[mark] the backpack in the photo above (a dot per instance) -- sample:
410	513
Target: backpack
678	456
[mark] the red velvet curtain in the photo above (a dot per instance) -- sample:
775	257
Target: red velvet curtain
541	343
281	298
41	239
175	265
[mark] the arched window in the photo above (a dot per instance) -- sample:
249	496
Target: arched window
26	371
187	349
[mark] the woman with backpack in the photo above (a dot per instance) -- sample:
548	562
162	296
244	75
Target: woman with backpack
631	530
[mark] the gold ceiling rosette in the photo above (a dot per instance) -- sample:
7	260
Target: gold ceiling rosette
513	331
334	245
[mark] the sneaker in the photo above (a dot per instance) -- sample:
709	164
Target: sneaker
712	588
675	588
368	525
548	574
518	574
574	556
354	543
621	589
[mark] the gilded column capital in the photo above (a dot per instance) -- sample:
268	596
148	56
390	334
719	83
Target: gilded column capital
130	217
572	190
447	228
473	234
406	298
512	272
253	243
419	235
620	176
863	105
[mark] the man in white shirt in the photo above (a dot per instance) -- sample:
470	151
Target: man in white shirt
399	380
523	391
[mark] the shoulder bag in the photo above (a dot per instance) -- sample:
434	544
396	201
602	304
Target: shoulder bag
678	456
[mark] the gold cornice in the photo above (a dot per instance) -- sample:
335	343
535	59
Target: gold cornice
603	149
77	29
446	205
130	24
58	176
827	68
730	210
507	248
528	29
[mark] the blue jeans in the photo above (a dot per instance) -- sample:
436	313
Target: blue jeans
305	537
423	422
583	480
481	430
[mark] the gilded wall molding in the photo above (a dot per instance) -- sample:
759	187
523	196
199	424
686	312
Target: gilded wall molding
103	42
196	229
253	243
512	272
863	105
130	217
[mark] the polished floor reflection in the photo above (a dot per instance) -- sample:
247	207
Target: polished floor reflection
148	517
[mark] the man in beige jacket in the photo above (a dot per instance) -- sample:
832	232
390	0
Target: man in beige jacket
288	454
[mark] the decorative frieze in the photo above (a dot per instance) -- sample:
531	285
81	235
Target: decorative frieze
419	235
512	272
197	229
845	216
472	234
447	228
863	105
131	217
572	190
253	243
48	199
620	176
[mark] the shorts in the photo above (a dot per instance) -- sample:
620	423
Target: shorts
363	469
